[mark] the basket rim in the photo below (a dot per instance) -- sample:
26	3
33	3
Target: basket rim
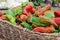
47	34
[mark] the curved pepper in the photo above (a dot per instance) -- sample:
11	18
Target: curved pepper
49	14
42	10
57	20
57	13
28	9
26	25
11	19
48	29
23	17
1	14
3	18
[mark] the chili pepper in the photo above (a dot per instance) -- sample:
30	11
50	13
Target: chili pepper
23	17
55	31
1	14
19	10
28	9
38	8
49	14
40	14
3	18
56	20
47	20
48	29
17	16
26	25
35	20
34	25
59	29
42	10
33	10
11	18
57	13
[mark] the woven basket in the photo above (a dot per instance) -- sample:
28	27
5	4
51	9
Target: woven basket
13	32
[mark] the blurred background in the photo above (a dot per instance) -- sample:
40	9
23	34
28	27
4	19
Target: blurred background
12	3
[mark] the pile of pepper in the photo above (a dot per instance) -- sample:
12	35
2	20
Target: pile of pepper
39	19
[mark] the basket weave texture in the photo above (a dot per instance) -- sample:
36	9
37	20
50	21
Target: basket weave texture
13	32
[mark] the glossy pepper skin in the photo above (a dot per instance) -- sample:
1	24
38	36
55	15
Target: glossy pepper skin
57	13
26	25
23	17
3	18
1	14
35	20
48	29
28	9
56	20
19	9
11	19
42	10
49	14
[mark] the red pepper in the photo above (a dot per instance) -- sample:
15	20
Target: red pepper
17	16
33	10
57	13
28	9
41	14
38	8
3	18
57	20
42	10
48	29
23	17
1	14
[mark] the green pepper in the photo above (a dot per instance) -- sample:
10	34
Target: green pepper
49	14
26	25
35	20
9	12
55	31
11	19
59	28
